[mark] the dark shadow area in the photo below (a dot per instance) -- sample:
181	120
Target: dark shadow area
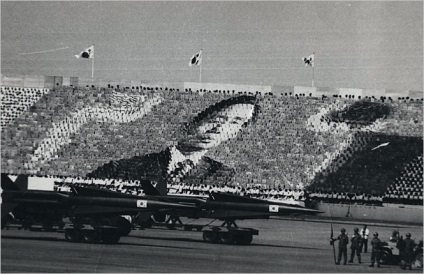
201	241
34	238
163	246
287	246
53	239
168	239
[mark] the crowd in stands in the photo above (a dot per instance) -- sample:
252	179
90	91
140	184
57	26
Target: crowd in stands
14	101
134	187
278	145
233	92
123	108
408	188
290	196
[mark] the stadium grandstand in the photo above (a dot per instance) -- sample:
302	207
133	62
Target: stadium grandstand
302	144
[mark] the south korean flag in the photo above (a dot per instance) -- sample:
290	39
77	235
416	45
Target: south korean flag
309	61
273	208
142	203
196	59
88	53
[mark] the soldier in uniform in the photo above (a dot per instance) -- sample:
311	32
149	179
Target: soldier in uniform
400	244
395	236
375	253
356	245
343	242
409	251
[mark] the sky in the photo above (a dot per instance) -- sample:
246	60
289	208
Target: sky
357	44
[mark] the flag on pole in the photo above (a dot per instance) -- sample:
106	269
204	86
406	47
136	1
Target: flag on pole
309	61
88	53
196	59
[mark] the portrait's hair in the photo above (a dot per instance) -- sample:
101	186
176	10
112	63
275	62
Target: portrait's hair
362	113
211	110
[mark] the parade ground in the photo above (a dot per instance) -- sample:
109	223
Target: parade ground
286	246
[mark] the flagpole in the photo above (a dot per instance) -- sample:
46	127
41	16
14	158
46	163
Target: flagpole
201	57
313	71
92	65
200	75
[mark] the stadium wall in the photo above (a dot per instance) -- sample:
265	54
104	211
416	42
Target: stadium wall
59	81
389	213
213	86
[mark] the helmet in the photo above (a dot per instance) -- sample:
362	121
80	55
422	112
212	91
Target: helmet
343	230
408	235
356	229
375	234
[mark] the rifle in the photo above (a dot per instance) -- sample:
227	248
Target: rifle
332	243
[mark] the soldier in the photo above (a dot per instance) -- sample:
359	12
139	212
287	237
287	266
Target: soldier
395	236
409	251
400	244
343	242
356	245
375	252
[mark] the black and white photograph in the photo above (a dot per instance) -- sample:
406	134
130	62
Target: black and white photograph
211	136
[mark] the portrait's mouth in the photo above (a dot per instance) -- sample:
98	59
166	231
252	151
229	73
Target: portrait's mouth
209	136
206	140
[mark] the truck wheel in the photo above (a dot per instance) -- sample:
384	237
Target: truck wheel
72	235
210	237
244	238
90	237
226	238
384	257
124	226
5	220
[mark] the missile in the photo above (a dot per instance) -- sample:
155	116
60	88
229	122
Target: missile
83	203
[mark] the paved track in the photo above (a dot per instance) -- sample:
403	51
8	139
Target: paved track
282	246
